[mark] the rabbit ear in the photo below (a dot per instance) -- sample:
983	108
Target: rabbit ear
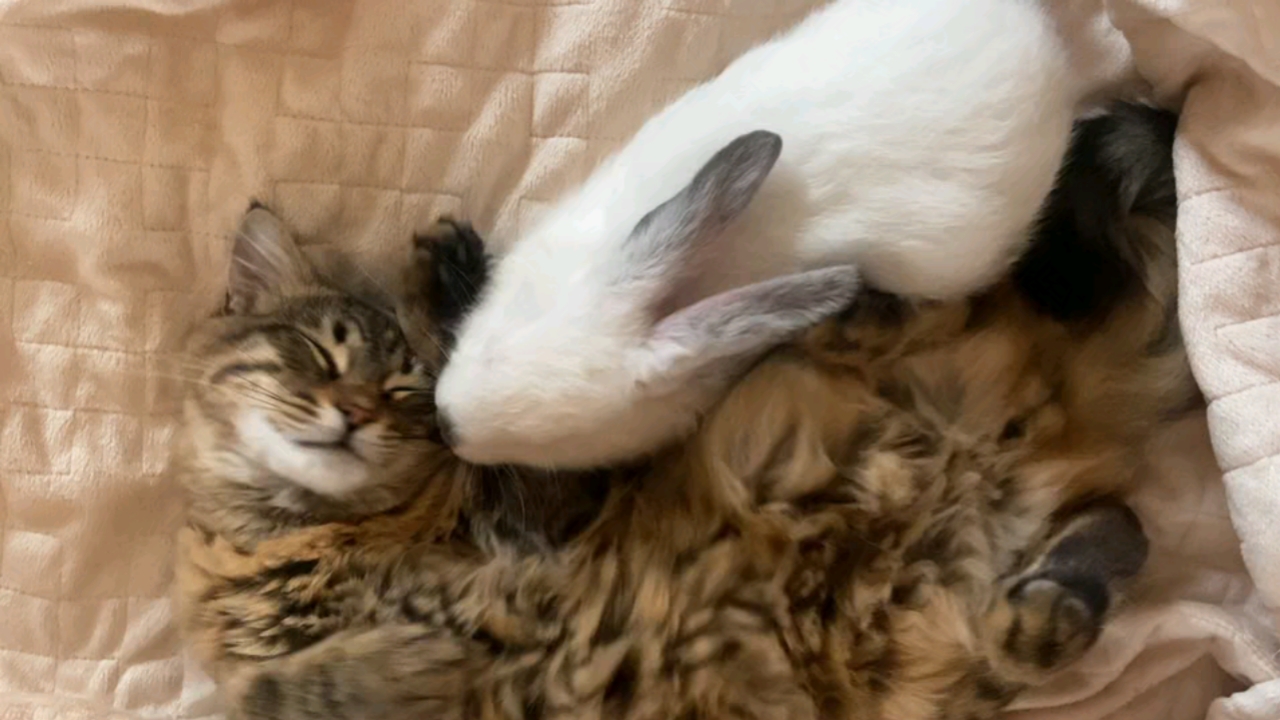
662	248
713	340
265	263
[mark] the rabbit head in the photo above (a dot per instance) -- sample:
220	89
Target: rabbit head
605	352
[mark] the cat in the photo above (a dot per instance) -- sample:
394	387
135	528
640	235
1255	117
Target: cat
309	411
913	511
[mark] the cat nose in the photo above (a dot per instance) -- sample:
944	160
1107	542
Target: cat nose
356	412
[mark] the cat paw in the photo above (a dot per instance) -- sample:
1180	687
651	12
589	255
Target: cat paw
1053	611
449	266
1051	622
450	241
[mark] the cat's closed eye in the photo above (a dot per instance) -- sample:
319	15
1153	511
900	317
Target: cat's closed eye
408	381
322	356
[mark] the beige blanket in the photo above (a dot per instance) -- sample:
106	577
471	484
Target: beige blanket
133	133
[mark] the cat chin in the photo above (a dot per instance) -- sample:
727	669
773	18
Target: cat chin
330	471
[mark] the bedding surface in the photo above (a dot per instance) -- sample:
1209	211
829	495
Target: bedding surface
134	133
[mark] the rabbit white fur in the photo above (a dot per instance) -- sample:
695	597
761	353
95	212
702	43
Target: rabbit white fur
918	141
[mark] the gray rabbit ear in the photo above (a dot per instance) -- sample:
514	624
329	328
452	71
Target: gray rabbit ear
663	247
265	263
712	341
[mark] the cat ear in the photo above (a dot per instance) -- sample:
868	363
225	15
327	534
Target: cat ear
714	340
665	249
265	263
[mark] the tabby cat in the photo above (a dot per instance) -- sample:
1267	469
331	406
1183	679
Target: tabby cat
913	511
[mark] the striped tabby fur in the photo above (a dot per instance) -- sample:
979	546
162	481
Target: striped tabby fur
913	512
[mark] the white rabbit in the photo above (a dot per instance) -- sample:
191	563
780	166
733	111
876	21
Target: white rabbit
918	139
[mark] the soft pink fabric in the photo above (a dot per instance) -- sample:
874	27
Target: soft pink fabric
133	133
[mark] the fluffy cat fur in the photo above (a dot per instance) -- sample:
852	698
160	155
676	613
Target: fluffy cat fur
914	511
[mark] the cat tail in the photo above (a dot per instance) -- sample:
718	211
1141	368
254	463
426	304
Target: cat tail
389	671
1103	263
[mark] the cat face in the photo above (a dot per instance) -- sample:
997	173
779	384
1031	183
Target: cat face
305	391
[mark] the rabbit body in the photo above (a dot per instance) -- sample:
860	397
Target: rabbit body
919	139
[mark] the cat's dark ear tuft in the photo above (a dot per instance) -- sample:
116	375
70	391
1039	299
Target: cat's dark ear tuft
265	263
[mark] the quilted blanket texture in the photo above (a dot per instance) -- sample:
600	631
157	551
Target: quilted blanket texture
133	134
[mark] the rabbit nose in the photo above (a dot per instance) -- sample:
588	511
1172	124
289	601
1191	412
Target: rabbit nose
445	432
